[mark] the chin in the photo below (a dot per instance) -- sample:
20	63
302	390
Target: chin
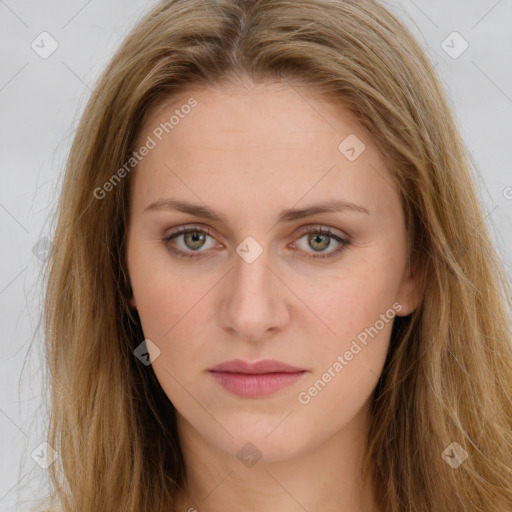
277	443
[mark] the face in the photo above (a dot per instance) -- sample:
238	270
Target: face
230	259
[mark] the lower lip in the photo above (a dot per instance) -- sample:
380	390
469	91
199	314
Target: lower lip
255	385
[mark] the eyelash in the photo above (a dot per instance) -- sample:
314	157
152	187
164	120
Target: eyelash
190	255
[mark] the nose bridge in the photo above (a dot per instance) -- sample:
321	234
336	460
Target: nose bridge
252	305
251	279
252	273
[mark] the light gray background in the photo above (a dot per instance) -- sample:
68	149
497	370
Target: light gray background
40	104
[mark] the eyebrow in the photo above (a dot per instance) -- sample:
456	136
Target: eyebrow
287	215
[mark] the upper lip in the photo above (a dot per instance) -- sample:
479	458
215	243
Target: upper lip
263	366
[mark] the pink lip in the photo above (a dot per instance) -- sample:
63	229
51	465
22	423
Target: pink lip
263	366
257	379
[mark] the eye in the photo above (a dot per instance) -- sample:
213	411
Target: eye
320	238
187	240
193	239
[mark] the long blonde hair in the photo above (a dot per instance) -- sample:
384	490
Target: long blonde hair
448	374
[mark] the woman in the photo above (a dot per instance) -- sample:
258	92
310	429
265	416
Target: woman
272	283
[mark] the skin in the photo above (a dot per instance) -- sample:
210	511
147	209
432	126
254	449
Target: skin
248	152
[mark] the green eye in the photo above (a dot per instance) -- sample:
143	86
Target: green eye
195	238
320	239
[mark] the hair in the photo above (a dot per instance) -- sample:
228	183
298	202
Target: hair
448	373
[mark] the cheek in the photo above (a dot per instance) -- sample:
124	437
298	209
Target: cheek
358	307
175	310
348	363
349	303
160	294
170	310
166	305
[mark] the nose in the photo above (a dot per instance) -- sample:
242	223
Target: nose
254	304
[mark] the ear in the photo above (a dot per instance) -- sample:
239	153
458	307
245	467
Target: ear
132	303
408	294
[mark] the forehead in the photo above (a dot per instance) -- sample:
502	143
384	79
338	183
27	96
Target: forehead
267	142
273	115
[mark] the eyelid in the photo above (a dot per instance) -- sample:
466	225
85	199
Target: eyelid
188	227
322	227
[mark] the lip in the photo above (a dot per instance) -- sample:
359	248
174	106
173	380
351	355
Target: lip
258	367
258	379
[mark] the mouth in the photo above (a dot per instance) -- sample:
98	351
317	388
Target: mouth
253	380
